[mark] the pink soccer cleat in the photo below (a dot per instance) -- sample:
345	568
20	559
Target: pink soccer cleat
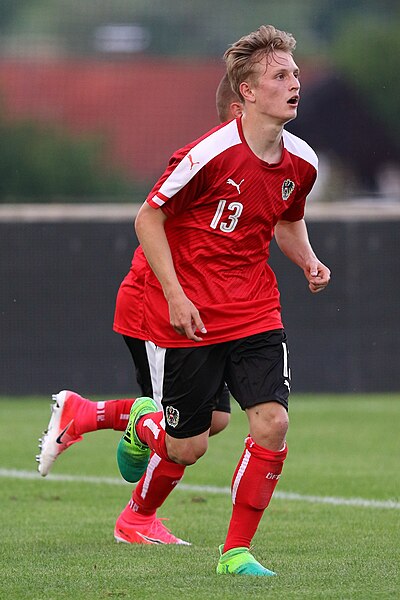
147	530
60	433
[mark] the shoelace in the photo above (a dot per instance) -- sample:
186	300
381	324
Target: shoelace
157	525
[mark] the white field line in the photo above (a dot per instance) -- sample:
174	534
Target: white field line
207	489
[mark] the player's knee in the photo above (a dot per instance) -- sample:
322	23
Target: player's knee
279	422
220	420
186	451
268	425
186	456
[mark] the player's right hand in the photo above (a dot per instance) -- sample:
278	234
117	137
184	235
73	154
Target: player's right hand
185	318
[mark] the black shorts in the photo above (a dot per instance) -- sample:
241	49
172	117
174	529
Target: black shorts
256	370
137	348
138	351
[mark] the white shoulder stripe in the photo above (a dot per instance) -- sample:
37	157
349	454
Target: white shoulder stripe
300	148
157	200
198	157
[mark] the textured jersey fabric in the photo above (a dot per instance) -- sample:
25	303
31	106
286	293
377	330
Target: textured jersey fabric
222	204
129	308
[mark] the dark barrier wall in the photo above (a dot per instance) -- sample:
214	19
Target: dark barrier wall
59	282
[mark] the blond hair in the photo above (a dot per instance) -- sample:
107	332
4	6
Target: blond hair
242	56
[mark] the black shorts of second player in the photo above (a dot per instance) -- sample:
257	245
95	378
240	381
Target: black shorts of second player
137	348
256	370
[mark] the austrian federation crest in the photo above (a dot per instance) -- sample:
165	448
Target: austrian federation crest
287	188
172	416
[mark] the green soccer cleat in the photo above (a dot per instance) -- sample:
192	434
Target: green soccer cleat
132	455
239	561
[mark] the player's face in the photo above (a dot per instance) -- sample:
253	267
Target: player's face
277	86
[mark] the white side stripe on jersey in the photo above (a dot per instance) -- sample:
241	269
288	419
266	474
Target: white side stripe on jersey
300	148
200	155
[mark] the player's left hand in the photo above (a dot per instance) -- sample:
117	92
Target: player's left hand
318	276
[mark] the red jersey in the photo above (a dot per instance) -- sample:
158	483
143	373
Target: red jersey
129	309
222	204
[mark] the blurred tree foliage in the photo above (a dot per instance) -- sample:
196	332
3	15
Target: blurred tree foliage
189	27
9	11
176	27
368	51
360	38
45	164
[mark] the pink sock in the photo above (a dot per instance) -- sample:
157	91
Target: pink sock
253	484
90	416
113	414
154	487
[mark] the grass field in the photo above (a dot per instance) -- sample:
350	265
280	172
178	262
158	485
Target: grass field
331	531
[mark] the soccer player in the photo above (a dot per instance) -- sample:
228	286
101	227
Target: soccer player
211	302
73	416
228	103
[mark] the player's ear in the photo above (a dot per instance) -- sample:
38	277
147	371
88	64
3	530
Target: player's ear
246	91
236	109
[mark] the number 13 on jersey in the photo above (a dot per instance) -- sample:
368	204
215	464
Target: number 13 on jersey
235	207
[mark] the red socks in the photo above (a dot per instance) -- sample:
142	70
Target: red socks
152	433
154	487
253	484
161	475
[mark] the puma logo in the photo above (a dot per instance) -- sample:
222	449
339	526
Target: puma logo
236	185
192	162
